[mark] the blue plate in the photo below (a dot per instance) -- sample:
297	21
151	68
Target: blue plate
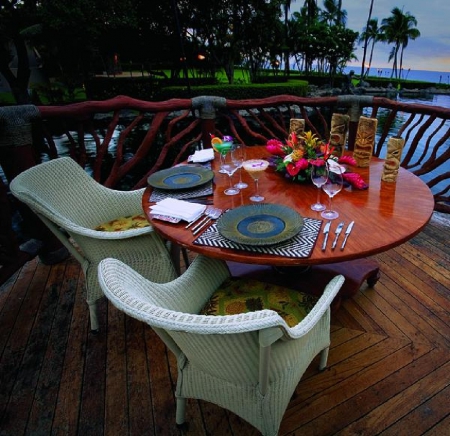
260	224
181	177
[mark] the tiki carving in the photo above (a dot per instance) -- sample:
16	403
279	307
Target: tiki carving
393	157
297	126
365	141
339	132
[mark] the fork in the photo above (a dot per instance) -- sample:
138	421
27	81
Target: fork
213	214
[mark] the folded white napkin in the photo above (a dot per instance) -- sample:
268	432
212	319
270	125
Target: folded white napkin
202	155
178	209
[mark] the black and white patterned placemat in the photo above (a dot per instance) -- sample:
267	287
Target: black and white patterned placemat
301	245
182	194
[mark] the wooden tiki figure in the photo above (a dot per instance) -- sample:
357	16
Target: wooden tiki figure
339	132
393	157
297	126
365	141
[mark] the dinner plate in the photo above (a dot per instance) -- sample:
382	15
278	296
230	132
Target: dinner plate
181	177
260	224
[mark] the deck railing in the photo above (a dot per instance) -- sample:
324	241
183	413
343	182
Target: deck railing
122	141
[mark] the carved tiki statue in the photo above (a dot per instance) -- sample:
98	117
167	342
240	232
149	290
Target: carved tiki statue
365	141
393	157
339	132
297	126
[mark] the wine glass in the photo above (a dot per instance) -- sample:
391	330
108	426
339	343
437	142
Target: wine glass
319	174
238	154
332	186
222	148
255	167
230	166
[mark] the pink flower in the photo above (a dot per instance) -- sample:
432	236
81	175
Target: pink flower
276	147
355	180
317	162
347	160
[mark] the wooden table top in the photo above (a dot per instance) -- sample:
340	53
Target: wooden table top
385	214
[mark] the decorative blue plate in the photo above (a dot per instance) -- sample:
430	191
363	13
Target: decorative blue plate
181	177
260	224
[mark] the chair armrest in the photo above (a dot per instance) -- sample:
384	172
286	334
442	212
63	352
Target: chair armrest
322	305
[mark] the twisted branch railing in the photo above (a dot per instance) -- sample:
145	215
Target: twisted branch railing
131	139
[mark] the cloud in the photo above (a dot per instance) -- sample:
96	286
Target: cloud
431	51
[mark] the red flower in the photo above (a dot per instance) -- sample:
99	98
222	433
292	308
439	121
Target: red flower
347	160
292	140
327	150
293	168
276	147
355	180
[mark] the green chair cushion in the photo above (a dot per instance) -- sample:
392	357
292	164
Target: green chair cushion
124	223
237	295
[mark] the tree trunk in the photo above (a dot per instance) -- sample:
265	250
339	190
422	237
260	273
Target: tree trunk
18	83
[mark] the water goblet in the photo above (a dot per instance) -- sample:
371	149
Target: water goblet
238	154
255	167
230	167
319	174
332	186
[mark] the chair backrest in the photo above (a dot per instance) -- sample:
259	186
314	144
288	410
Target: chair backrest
61	188
63	192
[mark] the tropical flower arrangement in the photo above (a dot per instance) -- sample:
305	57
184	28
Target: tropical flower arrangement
299	153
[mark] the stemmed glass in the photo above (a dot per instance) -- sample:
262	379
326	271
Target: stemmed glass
230	167
255	167
222	148
332	186
319	174
238	155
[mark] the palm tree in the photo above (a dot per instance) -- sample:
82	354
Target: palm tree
333	13
369	36
286	8
399	28
366	41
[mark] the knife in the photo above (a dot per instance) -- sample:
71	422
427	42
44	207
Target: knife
337	232
347	233
326	230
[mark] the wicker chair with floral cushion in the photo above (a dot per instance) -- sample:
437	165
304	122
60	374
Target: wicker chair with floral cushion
249	361
93	222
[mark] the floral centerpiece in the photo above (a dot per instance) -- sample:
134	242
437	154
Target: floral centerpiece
299	153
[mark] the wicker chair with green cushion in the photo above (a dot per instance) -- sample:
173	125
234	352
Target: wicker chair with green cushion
78	209
249	362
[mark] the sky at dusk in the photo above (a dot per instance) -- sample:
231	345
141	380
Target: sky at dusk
431	51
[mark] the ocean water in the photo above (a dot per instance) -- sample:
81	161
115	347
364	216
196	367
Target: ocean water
436	77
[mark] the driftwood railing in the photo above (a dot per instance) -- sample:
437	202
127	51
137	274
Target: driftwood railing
123	140
130	139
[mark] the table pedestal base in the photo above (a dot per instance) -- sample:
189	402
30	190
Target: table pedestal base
313	279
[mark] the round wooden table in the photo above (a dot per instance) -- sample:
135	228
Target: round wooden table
386	215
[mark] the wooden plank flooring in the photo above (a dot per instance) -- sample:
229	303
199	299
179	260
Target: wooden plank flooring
388	372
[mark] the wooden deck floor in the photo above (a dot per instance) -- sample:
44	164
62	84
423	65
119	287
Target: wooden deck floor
388	373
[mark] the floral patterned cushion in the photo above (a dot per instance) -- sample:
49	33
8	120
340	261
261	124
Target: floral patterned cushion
124	223
237	295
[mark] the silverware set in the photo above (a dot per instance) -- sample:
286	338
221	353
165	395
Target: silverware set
337	233
211	213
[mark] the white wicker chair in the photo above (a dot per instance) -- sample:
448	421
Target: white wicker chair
249	363
65	197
